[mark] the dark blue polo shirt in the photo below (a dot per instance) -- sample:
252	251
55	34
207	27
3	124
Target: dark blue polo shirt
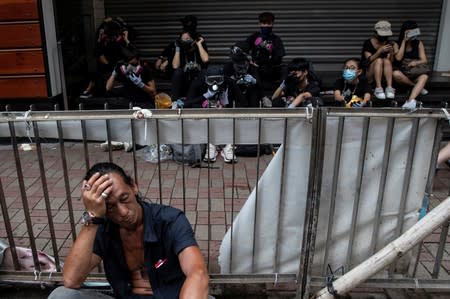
166	233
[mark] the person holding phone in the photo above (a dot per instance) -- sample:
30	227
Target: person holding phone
409	49
376	55
189	62
148	250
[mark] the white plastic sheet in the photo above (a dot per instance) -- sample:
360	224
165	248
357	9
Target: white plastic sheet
237	254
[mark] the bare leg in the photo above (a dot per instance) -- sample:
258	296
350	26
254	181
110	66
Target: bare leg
402	79
444	154
376	71
387	71
420	84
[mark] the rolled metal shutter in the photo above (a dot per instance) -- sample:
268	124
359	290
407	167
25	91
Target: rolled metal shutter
324	31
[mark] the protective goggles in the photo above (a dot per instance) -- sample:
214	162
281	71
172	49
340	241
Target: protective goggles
214	80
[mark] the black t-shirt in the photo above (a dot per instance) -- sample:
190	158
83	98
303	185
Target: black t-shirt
294	91
193	56
266	52
129	89
347	88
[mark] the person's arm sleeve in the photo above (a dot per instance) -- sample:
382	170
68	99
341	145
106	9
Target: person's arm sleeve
314	90
181	233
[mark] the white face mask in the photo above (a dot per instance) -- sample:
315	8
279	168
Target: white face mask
131	68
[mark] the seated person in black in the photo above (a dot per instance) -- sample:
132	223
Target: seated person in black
191	57
298	88
163	64
352	90
132	81
267	50
244	87
112	36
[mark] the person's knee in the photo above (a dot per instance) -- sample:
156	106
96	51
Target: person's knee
65	293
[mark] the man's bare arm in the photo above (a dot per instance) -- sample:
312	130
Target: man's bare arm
81	259
197	278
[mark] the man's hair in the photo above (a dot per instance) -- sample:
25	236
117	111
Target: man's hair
266	17
129	53
107	167
298	64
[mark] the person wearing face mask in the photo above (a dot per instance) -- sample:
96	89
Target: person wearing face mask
411	50
377	54
267	50
244	84
351	89
132	80
189	62
213	92
298	88
163	64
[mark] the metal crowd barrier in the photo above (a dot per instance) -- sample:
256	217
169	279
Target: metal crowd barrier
72	133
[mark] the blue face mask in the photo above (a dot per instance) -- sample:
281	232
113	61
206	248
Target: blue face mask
349	75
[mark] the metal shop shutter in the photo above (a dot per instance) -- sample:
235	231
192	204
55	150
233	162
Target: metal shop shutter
325	31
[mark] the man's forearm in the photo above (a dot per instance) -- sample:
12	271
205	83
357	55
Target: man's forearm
79	262
195	286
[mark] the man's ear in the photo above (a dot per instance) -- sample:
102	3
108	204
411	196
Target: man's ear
135	188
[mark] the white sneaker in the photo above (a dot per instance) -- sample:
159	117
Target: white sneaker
379	93
211	153
228	154
128	146
267	102
411	104
424	92
390	93
115	145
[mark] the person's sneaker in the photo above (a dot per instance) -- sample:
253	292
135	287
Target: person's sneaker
390	93
228	154
411	104
128	146
379	93
115	145
86	95
211	153
424	92
266	102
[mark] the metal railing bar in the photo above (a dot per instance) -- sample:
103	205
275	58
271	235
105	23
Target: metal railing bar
183	172
381	187
233	179
66	179
312	204
280	206
235	113
208	135
108	135
46	198
359	176
8	227
26	209
133	144
440	251
85	144
337	162
159	163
